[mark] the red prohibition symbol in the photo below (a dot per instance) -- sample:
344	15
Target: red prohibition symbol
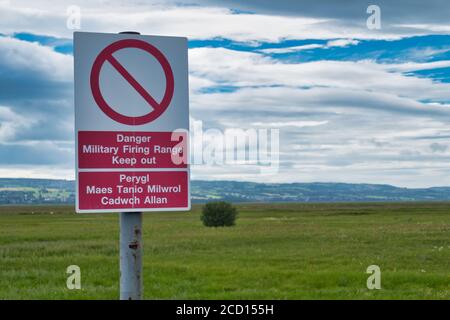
107	55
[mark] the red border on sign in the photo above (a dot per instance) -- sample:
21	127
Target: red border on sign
106	55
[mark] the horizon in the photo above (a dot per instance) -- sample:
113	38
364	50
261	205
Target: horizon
266	183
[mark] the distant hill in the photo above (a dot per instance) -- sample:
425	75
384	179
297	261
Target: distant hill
41	191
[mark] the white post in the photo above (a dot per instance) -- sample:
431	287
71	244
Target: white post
130	255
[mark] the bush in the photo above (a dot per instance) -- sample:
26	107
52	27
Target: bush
219	214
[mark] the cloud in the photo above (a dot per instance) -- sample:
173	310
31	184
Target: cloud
33	71
36	108
190	21
433	28
414	66
36	154
339	120
245	69
352	121
11	124
332	43
396	15
293	49
437	147
189	18
341	43
298	124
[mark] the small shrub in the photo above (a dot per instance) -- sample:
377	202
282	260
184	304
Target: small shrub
219	214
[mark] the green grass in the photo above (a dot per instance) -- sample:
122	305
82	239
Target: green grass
276	251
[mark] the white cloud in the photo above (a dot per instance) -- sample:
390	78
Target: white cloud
35	58
197	83
298	124
342	43
292	49
230	67
429	27
332	43
36	172
340	120
36	94
12	123
195	22
414	66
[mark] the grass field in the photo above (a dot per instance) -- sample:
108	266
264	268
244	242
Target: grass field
276	251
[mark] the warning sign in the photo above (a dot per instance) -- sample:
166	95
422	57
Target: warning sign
131	120
107	56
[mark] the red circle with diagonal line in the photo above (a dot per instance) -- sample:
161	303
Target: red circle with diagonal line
158	107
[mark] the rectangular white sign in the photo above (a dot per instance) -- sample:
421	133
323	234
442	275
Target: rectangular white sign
131	123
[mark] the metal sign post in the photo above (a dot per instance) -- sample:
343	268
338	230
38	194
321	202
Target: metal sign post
131	256
131	250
